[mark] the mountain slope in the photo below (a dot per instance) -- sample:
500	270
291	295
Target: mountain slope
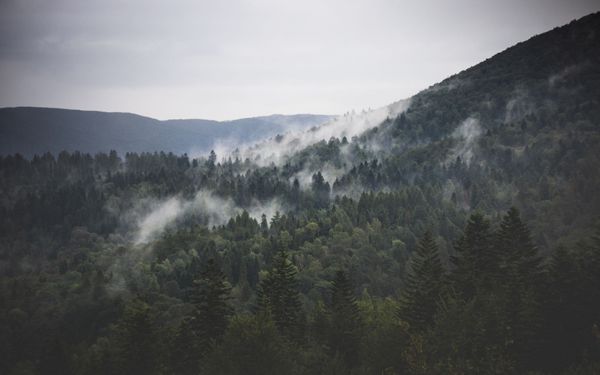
29	131
521	128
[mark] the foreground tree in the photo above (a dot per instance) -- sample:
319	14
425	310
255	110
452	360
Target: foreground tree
475	262
212	310
207	324
518	283
278	297
345	324
424	285
137	343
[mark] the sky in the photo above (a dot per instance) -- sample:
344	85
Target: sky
228	59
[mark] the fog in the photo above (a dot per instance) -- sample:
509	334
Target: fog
157	216
466	134
278	149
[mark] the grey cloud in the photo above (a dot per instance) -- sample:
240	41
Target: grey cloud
227	59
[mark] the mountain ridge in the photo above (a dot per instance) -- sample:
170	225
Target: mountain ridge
36	130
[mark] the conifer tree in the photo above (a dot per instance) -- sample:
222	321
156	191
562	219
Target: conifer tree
517	282
424	284
562	310
184	358
136	338
264	225
212	311
279	298
519	260
344	336
475	262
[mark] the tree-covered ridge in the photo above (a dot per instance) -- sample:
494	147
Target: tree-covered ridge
325	306
457	237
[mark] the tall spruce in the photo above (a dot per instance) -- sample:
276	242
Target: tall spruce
212	311
518	283
475	260
138	348
184	349
424	285
345	324
519	261
279	298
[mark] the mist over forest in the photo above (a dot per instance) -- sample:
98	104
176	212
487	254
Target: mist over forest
456	231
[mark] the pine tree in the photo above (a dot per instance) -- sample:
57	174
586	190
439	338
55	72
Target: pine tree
424	284
345	324
517	282
137	341
475	262
264	225
279	298
572	307
563	310
184	358
519	260
212	311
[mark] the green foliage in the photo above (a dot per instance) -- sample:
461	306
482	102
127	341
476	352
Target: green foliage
345	328
252	345
476	261
138	346
278	297
79	294
424	285
211	308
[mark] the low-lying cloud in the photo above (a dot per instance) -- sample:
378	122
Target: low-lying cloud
210	208
466	135
277	149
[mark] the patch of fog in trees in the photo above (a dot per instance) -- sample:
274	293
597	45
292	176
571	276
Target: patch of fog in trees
281	147
561	77
518	106
149	217
466	135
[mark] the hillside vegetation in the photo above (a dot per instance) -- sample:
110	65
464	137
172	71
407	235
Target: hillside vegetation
457	236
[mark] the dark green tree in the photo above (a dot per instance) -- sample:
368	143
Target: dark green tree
252	345
424	285
278	297
137	342
212	311
184	353
571	309
518	283
345	322
475	260
321	189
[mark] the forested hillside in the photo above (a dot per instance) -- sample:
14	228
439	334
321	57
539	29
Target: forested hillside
457	235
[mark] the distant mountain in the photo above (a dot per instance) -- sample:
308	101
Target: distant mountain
31	130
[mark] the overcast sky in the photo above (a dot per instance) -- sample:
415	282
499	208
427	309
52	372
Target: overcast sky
226	59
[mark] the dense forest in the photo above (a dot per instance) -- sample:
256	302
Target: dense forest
459	236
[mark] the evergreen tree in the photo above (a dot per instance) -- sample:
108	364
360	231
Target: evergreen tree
572	308
424	284
184	358
321	189
563	311
518	258
279	298
518	282
475	262
264	225
344	336
212	311
138	346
